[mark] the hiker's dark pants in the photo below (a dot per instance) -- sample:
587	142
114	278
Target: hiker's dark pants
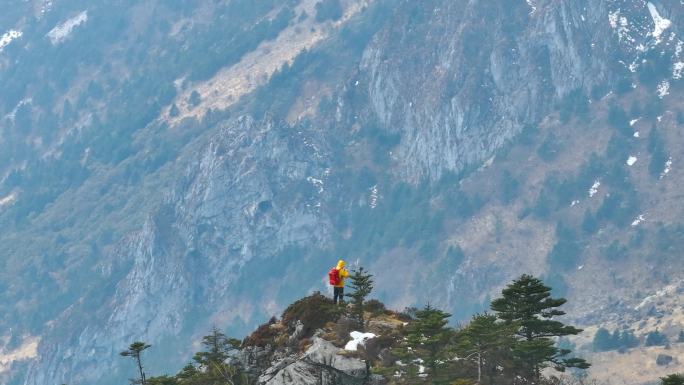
338	293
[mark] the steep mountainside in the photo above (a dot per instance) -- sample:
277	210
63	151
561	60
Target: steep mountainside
166	167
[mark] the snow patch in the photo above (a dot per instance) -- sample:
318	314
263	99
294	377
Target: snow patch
667	169
62	31
8	37
677	69
636	134
661	23
633	121
594	188
8	200
638	220
532	6
663	89
580	267
316	183
373	201
631	160
358	338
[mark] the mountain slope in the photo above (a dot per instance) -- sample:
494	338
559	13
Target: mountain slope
448	142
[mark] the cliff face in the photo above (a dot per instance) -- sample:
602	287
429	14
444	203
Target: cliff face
459	79
254	205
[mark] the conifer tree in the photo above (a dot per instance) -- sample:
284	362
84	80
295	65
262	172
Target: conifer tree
361	285
527	303
428	337
135	351
488	343
672	379
218	348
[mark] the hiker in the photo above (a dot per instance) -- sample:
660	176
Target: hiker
337	275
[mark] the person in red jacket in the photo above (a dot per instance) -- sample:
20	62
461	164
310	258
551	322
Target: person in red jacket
337	275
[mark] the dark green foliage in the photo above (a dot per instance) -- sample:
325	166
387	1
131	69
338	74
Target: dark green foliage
680	338
455	257
328	10
589	223
428	337
656	146
567	251
615	251
135	352
528	135
618	119
487	342
575	103
361	286
527	303
672	379
218	348
618	340
653	68
509	187
655	338
210	367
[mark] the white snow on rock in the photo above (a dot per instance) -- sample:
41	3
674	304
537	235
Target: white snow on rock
358	338
663	89
636	134
633	121
661	23
574	203
594	188
677	69
373	201
8	200
638	220
667	169
62	31
8	37
532	6
317	183
621	25
631	160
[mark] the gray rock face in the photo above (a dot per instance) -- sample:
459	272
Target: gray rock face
458	84
229	207
321	364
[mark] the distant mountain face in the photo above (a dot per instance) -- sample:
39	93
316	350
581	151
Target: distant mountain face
165	167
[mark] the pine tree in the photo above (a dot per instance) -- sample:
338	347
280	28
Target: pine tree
673	379
218	348
488	343
135	351
361	285
681	336
527	303
589	223
655	338
428	337
603	340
